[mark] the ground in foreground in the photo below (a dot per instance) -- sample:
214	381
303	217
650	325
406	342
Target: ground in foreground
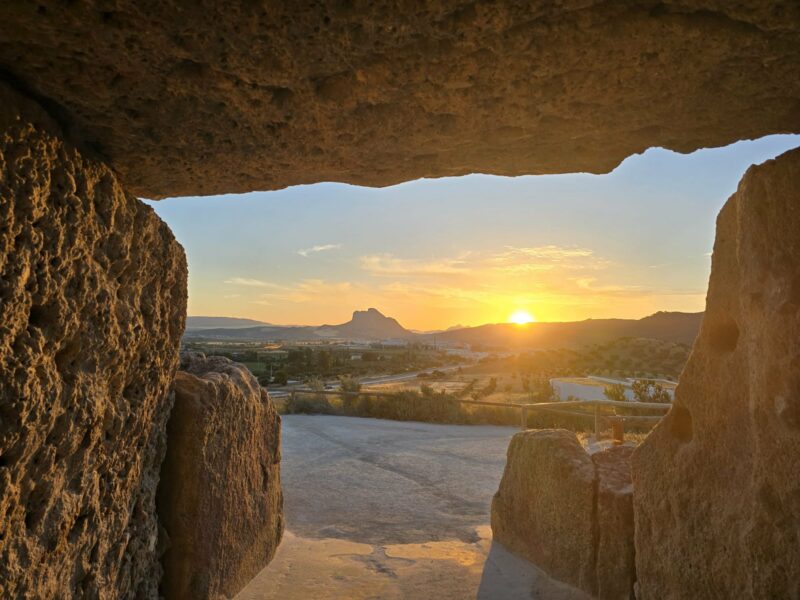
383	509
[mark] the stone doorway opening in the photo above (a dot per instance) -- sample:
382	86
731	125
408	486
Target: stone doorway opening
373	557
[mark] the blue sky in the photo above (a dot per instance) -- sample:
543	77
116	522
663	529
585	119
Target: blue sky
467	250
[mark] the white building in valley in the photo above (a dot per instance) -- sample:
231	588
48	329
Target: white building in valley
593	387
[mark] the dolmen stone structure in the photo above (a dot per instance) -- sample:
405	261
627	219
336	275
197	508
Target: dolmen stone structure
569	512
104	102
219	498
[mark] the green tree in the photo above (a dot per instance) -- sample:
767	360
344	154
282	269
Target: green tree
490	387
649	391
316	384
281	377
296	358
543	390
349	384
324	360
615	392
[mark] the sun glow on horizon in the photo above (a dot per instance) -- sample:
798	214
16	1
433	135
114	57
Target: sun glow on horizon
521	317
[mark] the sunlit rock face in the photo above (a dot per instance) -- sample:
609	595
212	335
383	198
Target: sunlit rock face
543	508
92	305
615	567
220	499
717	492
228	97
569	513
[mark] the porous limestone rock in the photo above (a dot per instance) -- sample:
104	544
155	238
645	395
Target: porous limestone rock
220	499
569	513
544	508
210	97
717	492
615	567
92	306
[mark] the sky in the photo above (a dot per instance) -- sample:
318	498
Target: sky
436	253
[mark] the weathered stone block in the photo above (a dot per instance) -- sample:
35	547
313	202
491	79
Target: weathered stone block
544	509
220	499
717	492
92	305
233	97
615	568
569	513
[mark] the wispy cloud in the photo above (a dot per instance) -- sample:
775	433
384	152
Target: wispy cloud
509	260
307	290
514	259
390	265
554	281
248	282
320	248
590	284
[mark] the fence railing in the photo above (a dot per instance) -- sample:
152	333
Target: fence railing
564	407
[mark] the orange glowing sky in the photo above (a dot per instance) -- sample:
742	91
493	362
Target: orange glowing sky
468	250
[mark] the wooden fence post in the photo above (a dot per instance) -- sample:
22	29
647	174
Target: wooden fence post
596	423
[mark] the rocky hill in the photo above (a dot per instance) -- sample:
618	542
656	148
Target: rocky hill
368	324
674	327
199	323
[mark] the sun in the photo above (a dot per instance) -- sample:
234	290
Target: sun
521	317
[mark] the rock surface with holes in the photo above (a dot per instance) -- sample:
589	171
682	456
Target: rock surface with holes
717	488
232	97
92	305
220	499
569	513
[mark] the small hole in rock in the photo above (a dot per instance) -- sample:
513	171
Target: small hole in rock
680	423
723	335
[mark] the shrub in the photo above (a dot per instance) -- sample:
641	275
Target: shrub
307	404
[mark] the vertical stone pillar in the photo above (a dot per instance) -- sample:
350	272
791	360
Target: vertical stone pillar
717	483
219	500
92	307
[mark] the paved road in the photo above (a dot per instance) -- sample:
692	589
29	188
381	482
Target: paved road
387	510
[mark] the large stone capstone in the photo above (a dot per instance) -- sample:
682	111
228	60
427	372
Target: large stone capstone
92	305
717	492
569	513
220	97
220	499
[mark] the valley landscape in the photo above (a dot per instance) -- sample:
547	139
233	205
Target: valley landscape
376	348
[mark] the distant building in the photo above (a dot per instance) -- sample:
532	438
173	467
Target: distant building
593	387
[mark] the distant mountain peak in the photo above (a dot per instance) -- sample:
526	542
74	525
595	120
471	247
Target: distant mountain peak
357	314
198	323
372	315
370	323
